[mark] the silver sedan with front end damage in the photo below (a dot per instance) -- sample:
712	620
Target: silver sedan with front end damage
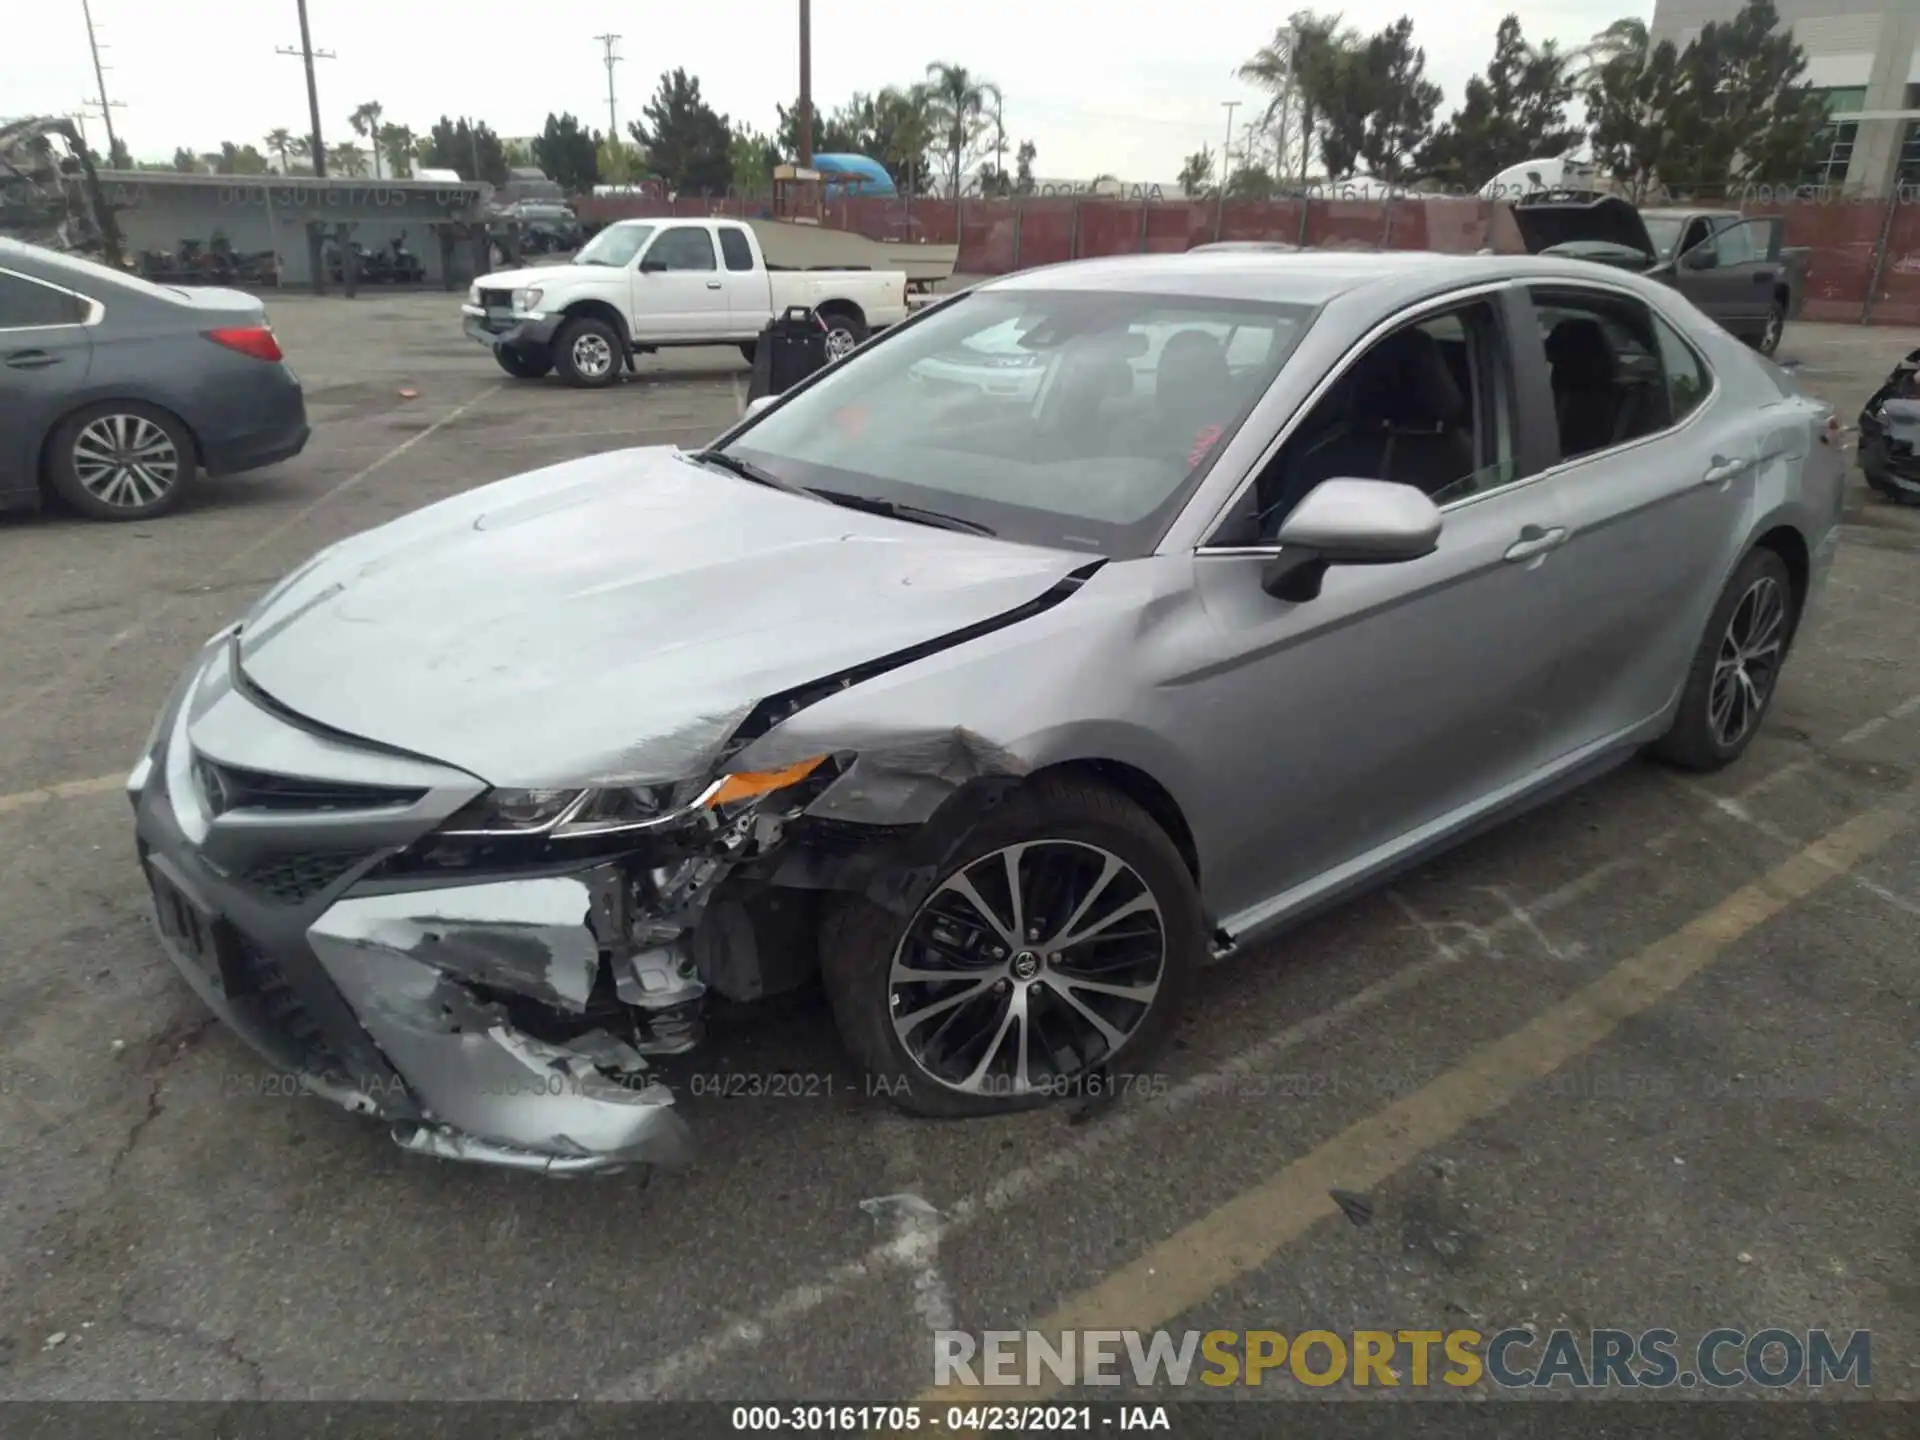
996	713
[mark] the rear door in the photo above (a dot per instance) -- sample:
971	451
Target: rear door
1655	482
677	290
46	352
748	287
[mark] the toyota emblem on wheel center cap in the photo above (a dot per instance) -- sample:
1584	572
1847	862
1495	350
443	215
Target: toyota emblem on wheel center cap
1024	965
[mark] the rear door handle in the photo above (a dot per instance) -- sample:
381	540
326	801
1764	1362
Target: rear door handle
31	360
1723	470
713	284
1535	541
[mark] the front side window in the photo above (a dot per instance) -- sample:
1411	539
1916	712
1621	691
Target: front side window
27	304
1081	419
686	247
1610	386
615	246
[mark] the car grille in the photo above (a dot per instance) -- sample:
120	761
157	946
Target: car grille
256	982
497	299
228	787
297	878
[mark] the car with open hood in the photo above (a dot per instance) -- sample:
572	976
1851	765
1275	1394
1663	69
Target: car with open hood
1734	268
997	714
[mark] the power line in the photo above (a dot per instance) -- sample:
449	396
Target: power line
308	54
613	125
107	107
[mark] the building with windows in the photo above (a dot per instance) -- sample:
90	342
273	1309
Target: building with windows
1861	56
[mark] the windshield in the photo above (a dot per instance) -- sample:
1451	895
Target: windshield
616	245
1079	419
1664	231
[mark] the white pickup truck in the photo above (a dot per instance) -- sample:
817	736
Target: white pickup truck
643	285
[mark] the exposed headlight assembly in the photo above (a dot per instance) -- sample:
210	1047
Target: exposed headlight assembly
527	299
578	813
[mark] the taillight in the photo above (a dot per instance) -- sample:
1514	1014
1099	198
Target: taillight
254	340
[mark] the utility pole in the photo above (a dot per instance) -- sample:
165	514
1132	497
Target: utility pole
805	137
107	107
1226	168
613	125
307	53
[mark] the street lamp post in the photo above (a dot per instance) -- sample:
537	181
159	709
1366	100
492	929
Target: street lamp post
1226	169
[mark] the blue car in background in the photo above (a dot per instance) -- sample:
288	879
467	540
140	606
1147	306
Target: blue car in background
854	176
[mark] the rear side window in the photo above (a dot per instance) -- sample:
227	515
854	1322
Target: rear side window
733	245
26	304
1687	378
686	248
1606	365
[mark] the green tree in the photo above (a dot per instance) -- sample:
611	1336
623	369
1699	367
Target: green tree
1251	181
1630	105
1299	68
232	159
569	153
347	159
468	148
301	149
688	144
1624	39
1404	102
396	146
1196	175
279	141
752	157
1515	112
1744	114
847	131
618	162
957	107
365	121
118	156
185	161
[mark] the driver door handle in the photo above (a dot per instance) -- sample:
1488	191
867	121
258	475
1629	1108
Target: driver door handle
713	284
1535	541
31	360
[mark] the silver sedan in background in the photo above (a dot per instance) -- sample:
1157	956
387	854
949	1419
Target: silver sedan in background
999	713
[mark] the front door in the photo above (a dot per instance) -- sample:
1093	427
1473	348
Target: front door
1727	277
1653	501
677	289
1340	726
45	353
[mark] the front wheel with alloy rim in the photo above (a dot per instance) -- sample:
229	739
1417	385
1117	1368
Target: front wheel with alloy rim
1737	667
121	461
588	352
1769	338
1057	945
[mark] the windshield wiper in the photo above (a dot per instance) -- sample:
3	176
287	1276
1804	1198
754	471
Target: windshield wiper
897	510
747	470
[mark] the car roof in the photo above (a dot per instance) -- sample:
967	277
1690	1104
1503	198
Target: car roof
1307	277
1669	213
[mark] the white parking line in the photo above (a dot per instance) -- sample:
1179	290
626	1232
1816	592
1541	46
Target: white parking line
299	517
659	1380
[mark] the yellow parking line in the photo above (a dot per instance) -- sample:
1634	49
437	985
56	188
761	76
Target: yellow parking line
1182	1271
65	790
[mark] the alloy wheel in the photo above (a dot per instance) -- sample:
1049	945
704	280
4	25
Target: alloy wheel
841	343
125	461
1770	339
1026	968
1748	662
592	355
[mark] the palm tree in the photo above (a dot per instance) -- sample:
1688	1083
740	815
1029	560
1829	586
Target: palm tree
1624	40
348	158
958	108
366	124
396	145
301	148
1282	67
280	141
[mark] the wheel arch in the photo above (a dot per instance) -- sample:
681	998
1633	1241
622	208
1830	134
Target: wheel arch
599	310
842	306
1791	546
1141	788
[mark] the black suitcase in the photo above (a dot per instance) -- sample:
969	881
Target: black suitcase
792	347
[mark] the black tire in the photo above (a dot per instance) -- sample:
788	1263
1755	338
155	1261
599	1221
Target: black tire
588	353
845	330
92	487
524	364
1070	818
748	351
1697	739
1768	340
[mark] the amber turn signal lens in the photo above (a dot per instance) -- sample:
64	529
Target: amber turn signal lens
750	783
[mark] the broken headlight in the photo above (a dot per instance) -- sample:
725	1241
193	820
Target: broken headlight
564	814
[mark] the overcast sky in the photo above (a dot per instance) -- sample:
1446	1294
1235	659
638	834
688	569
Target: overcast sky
1098	87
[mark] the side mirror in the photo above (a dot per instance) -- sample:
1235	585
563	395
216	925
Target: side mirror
1349	522
1702	257
653	267
756	405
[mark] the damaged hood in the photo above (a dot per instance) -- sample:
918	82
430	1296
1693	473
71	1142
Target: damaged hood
1545	224
611	619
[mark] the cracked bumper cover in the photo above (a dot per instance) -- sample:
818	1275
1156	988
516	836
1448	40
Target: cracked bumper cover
419	1006
494	328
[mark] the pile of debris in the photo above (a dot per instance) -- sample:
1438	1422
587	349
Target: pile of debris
49	192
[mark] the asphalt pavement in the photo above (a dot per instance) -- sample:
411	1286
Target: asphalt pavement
1646	1058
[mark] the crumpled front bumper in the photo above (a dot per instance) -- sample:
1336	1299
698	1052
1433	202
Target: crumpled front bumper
468	1016
495	328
